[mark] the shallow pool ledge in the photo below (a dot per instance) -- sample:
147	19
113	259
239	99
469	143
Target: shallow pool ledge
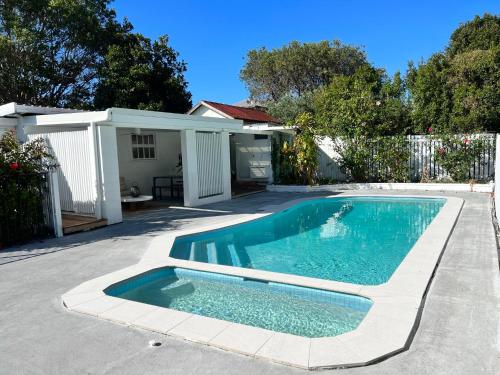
386	330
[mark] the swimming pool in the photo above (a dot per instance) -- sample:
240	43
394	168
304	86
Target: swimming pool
209	307
360	240
274	306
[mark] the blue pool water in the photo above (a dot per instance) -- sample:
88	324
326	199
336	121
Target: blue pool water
274	306
360	240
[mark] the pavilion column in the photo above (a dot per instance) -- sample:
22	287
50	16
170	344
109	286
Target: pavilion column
226	165
189	167
109	174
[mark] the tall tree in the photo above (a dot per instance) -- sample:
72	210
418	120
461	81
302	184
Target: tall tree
459	90
432	100
367	104
138	73
366	116
75	53
50	49
482	33
298	68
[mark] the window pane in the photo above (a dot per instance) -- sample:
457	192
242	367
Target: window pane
146	152
139	139
259	136
134	139
134	152
146	140
151	140
152	153
141	153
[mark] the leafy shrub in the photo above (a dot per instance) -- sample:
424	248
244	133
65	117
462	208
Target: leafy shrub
23	186
458	153
373	159
296	162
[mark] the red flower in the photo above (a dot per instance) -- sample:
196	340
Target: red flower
466	141
14	166
429	130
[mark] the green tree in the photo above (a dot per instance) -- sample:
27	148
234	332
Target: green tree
366	116
431	97
50	49
138	73
64	52
368	103
474	81
481	33
458	91
286	77
288	107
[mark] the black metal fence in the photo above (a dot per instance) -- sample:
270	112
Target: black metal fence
26	211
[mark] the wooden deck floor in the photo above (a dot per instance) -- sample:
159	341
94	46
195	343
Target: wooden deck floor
79	223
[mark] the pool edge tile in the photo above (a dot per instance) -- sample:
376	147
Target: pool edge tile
161	320
242	338
127	312
199	328
286	349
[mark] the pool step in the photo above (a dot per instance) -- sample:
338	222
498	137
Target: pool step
235	259
221	253
192	251
212	253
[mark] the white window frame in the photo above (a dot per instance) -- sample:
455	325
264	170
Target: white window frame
143	146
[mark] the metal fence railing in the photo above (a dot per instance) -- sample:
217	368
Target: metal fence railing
26	211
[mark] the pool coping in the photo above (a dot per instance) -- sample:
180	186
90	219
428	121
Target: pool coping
387	328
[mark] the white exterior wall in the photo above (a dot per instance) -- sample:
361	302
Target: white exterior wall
7	124
141	172
207	112
250	153
3	129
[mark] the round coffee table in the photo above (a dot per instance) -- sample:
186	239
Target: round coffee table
136	202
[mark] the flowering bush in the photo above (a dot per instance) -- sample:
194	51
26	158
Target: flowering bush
23	186
30	157
458	153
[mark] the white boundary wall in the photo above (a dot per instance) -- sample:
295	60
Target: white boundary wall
477	188
497	173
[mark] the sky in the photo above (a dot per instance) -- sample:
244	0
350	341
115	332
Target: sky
214	36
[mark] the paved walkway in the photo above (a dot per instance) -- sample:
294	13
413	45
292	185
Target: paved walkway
459	331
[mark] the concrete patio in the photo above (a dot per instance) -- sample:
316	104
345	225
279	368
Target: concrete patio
458	334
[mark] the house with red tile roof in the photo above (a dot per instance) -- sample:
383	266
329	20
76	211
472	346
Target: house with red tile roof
250	150
249	113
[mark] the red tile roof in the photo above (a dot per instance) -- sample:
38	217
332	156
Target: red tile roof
242	113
